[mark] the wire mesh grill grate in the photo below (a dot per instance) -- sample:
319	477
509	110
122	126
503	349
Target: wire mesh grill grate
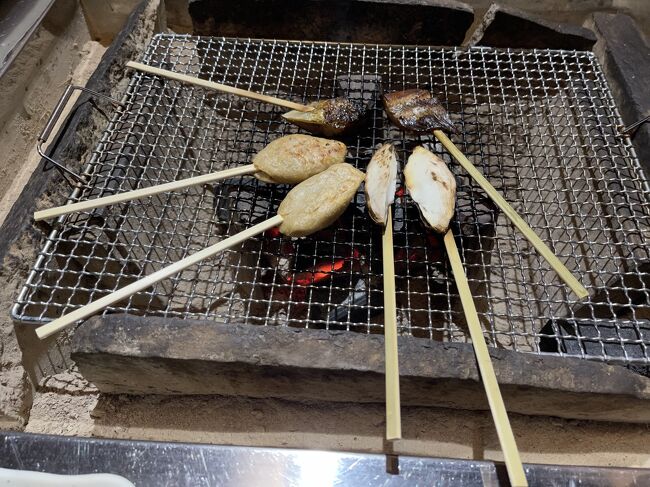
540	124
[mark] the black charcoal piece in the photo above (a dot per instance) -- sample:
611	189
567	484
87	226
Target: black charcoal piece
596	339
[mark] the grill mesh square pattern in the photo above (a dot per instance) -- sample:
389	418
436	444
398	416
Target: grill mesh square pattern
540	124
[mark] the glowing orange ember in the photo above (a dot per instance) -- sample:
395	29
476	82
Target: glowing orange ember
322	271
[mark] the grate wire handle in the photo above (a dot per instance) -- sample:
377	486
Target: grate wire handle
54	119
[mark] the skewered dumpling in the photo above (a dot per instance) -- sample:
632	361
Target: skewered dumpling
317	202
381	181
337	116
432	186
417	111
294	158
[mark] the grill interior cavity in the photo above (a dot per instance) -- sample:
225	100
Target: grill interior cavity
540	124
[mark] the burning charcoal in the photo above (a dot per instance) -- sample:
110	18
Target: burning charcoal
300	279
284	280
310	285
323	271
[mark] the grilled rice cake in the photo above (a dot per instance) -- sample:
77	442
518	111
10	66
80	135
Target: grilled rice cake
294	158
319	201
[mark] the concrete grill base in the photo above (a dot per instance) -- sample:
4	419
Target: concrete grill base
147	355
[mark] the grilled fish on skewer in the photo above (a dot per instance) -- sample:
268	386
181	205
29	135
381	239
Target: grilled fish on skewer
432	186
381	181
338	116
294	158
317	202
327	117
417	111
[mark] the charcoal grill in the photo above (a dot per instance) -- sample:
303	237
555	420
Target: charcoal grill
541	124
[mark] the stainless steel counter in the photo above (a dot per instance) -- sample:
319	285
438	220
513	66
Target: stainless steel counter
182	464
18	21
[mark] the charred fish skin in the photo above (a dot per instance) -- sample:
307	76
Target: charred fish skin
319	201
293	158
342	113
331	118
381	183
432	186
417	111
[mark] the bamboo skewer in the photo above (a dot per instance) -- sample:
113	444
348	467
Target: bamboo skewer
514	217
217	86
393	414
148	281
497	407
143	192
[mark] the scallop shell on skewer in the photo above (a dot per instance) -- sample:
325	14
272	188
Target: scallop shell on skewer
433	188
381	182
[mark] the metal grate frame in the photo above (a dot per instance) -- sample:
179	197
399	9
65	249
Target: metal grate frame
540	124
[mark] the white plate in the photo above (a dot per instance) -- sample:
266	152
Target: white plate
25	478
